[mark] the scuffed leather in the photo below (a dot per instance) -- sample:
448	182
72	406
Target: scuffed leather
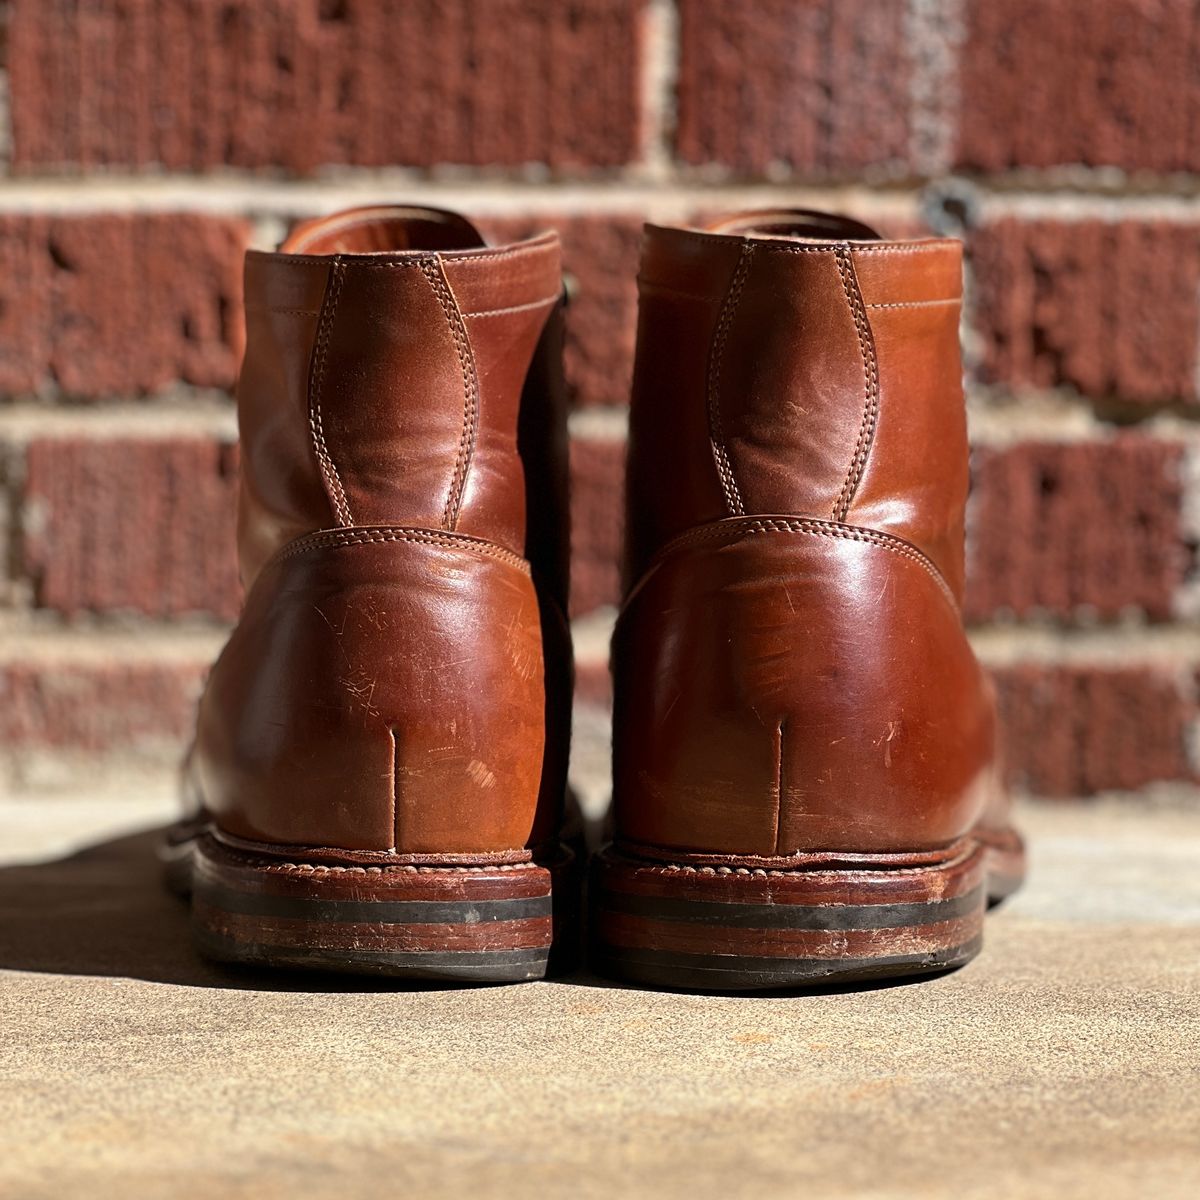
400	678
790	668
782	689
387	693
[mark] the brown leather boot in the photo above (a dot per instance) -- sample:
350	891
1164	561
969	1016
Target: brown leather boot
380	761
806	780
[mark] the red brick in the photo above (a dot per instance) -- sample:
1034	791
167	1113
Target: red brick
1080	729
131	524
1059	528
1097	82
83	706
194	85
597	520
1108	308
119	304
818	85
600	258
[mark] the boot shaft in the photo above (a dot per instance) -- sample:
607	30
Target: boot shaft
790	669
399	682
390	379
796	364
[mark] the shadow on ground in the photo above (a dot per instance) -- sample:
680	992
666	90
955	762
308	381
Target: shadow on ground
105	911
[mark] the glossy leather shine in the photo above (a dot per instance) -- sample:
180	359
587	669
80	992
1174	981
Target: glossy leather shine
400	677
791	672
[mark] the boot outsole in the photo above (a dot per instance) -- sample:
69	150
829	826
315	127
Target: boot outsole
742	928
457	923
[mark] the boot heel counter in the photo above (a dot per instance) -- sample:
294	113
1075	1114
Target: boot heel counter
784	686
387	690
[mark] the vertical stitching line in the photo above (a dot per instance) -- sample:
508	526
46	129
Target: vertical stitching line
333	482
733	497
866	346
434	272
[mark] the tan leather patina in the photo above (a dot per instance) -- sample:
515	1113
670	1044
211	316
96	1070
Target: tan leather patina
399	683
791	673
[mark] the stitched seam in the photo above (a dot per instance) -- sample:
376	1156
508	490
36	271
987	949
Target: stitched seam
856	248
812	527
307	869
513	308
432	269
917	303
729	486
333	482
866	346
333	538
910	248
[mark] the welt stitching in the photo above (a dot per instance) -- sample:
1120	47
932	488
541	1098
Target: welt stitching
814	528
337	493
733	497
309	869
866	346
514	308
432	269
332	538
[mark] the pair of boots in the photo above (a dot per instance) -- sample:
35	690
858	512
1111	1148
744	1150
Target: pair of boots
806	777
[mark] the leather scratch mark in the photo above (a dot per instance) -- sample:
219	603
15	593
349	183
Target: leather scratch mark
480	775
889	736
779	784
360	687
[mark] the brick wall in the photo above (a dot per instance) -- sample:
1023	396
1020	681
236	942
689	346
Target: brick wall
146	144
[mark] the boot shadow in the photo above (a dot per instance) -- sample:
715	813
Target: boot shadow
105	911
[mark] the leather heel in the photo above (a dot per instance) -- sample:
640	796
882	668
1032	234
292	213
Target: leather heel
740	927
487	923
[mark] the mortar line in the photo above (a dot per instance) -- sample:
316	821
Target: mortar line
660	71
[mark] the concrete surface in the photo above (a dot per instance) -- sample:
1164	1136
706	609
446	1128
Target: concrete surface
1064	1062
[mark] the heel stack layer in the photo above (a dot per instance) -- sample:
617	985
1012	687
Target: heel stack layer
489	923
737	928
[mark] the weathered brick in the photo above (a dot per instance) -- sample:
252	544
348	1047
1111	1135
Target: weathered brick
1074	730
194	85
597	522
600	258
818	86
132	524
78	705
1059	528
108	304
1105	307
1097	82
